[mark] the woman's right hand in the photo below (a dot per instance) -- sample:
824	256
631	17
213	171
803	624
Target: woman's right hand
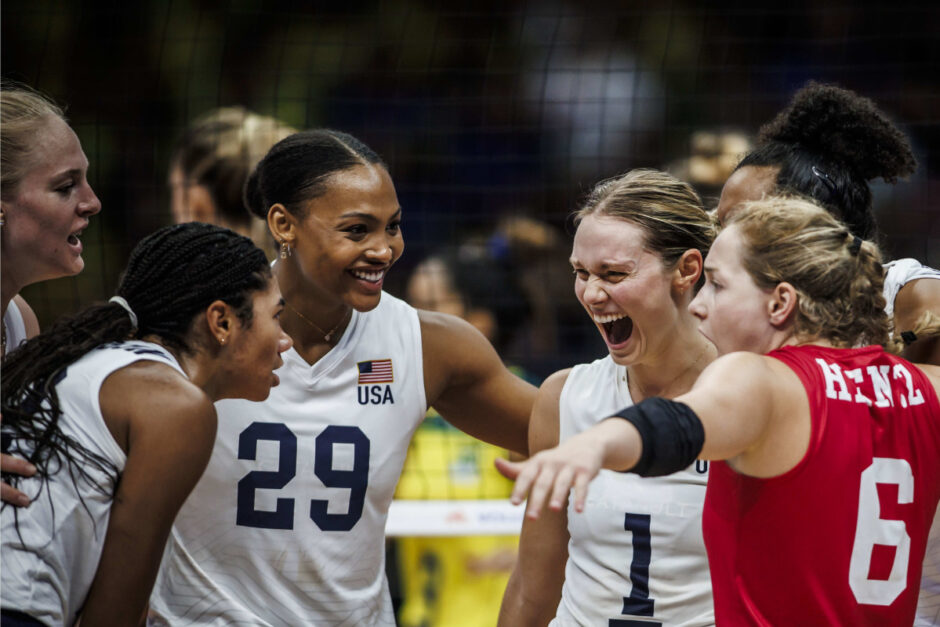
16	466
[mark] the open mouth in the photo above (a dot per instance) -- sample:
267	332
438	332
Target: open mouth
617	327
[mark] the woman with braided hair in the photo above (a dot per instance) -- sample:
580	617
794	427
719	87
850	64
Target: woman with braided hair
114	407
819	513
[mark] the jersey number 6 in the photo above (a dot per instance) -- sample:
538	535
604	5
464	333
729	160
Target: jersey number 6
356	479
871	530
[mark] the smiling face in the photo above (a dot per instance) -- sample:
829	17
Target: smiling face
349	238
48	210
733	310
254	350
624	287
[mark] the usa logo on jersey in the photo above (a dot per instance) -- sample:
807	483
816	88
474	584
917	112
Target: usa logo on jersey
372	374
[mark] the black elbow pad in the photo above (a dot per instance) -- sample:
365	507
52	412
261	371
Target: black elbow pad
671	433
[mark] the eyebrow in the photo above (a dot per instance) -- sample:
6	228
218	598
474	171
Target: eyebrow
366	216
69	172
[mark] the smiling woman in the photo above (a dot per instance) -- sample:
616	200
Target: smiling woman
637	257
308	475
45	203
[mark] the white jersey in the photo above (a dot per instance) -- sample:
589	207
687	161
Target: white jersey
287	525
636	552
15	326
897	274
49	565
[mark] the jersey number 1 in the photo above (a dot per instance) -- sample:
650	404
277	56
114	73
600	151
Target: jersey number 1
639	602
356	479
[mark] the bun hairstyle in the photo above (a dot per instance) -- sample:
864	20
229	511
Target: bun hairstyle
220	149
296	169
828	143
668	210
24	113
837	276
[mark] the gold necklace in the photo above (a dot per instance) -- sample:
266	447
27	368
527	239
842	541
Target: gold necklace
666	387
326	336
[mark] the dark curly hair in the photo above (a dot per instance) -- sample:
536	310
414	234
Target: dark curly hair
828	143
172	276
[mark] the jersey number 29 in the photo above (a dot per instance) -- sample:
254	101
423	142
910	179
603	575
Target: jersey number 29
355	479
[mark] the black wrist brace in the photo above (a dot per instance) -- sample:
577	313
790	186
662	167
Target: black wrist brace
671	433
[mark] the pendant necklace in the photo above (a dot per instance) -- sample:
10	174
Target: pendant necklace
326	335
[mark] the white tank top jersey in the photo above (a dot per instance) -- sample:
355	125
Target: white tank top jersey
48	567
636	554
897	274
287	525
15	326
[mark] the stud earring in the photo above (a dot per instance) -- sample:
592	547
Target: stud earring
285	250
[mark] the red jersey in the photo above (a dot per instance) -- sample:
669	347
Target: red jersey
840	538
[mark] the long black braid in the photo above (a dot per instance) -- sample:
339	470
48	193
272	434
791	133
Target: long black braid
172	276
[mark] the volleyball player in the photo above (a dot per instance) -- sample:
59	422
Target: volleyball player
45	203
286	527
114	407
820	512
637	552
827	144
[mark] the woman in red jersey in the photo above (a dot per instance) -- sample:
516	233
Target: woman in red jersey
820	511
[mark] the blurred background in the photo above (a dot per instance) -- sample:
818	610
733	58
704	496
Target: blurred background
495	117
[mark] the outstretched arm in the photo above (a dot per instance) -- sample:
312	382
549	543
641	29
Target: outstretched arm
752	409
168	428
468	384
534	588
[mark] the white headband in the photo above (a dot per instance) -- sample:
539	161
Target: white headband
123	303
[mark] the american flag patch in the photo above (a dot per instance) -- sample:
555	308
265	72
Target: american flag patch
375	371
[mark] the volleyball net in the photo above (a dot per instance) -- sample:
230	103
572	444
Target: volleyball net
495	120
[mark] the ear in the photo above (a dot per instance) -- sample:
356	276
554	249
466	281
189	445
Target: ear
220	319
687	271
281	224
782	304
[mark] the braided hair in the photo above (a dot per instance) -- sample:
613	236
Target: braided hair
172	276
828	143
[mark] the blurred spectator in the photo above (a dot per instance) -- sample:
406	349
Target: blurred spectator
210	164
458	580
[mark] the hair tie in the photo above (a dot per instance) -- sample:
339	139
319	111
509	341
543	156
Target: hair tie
123	303
908	337
856	245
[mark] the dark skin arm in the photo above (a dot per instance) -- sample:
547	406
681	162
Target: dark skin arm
468	384
166	425
912	301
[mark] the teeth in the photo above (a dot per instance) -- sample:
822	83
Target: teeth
605	318
369	276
